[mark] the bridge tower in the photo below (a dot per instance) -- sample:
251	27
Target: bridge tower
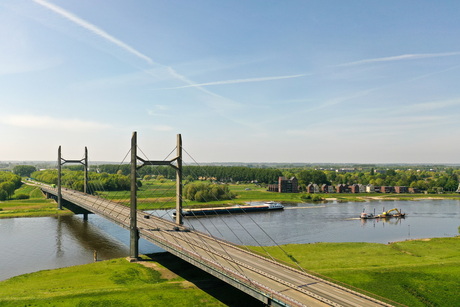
61	161
176	163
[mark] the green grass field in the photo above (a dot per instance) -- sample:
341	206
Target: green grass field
413	273
120	283
37	205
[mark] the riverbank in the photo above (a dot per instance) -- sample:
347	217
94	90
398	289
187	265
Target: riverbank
412	273
36	205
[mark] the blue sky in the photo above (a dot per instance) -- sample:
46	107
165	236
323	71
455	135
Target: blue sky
242	81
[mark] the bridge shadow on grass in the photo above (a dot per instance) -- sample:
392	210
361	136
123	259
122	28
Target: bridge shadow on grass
222	291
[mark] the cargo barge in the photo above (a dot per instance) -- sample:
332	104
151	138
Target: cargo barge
230	210
384	215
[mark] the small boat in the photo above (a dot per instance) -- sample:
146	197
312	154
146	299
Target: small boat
271	205
365	215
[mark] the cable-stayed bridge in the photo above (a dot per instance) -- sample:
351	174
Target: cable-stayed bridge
269	281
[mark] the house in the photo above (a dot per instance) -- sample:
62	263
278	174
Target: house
326	188
370	188
285	185
312	188
386	189
354	188
401	189
414	190
341	188
346	170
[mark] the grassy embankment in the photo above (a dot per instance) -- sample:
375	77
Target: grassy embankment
413	273
118	282
37	205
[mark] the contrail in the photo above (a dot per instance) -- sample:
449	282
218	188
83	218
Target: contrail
401	58
240	81
93	29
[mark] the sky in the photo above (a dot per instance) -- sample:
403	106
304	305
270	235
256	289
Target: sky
301	81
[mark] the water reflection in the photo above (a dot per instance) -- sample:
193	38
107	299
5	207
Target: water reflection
32	244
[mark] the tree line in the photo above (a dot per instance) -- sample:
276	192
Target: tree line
75	180
220	173
111	177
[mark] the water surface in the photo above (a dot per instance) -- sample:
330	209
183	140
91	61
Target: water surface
33	244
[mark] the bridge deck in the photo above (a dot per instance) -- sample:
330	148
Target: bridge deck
270	281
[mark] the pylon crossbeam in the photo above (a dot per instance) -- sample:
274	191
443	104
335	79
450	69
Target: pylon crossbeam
82	161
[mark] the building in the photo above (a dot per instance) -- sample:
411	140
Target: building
341	188
401	189
386	189
285	185
326	188
312	188
354	188
370	188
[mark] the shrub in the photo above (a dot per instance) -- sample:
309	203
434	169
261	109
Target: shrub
204	192
22	196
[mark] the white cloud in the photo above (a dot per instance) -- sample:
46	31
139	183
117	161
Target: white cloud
261	79
401	58
216	103
93	29
49	123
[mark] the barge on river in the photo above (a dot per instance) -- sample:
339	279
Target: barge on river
271	205
385	214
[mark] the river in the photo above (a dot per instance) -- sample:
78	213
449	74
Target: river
33	244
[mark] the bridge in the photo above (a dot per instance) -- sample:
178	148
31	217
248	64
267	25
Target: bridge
269	281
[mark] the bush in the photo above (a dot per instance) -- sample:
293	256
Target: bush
204	192
22	196
311	197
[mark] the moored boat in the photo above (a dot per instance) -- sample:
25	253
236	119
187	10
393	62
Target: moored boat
271	205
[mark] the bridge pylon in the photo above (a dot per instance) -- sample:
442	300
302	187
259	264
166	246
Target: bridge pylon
176	163
61	161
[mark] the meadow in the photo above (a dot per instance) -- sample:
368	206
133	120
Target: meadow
412	273
35	206
118	282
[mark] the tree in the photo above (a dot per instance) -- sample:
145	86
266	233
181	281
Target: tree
24	170
3	195
205	191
